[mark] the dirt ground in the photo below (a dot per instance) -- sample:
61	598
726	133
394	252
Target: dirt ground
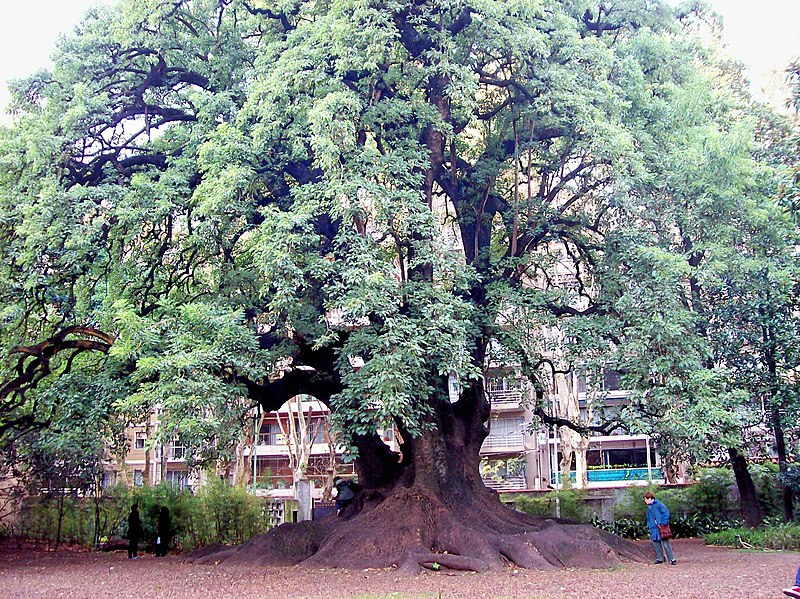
702	571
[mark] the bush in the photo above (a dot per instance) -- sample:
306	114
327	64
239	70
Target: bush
766	478
182	507
710	495
570	503
686	520
231	515
219	513
628	528
632	506
779	536
85	521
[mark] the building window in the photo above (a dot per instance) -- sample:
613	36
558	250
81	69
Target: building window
504	468
453	387
138	478
502	427
317	427
178	449
270	434
139	440
178	479
610	381
497	383
629	457
109	479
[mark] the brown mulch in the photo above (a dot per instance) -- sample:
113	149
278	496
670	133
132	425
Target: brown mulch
702	572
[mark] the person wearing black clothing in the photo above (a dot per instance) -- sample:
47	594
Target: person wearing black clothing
343	493
162	533
134	532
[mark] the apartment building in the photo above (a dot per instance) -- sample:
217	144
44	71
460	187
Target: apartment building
520	457
516	456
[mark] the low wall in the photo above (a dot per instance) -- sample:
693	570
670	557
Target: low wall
598	501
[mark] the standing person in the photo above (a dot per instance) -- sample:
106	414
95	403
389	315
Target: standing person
795	590
134	532
658	513
162	532
343	493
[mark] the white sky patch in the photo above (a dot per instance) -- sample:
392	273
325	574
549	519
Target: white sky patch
29	31
765	36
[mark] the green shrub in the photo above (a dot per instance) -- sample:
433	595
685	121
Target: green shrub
233	515
571	504
85	521
628	528
541	506
180	503
631	506
682	526
710	495
766	479
779	536
219	513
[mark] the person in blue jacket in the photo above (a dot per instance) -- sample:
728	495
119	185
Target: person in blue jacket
795	590
658	513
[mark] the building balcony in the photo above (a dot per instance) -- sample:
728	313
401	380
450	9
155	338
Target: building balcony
263	449
614	475
504	443
506	401
508	483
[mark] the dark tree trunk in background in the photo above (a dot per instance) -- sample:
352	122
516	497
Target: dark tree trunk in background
780	446
751	507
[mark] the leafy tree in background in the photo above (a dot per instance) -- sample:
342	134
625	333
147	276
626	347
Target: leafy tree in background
356	201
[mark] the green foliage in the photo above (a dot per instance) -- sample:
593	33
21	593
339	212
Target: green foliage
682	526
628	528
766	477
220	513
38	517
232	514
571	504
696	509
791	478
779	536
710	494
632	506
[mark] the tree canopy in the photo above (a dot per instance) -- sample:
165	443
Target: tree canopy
363	201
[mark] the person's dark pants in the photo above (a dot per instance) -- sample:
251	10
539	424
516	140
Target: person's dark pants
667	548
340	505
161	549
133	548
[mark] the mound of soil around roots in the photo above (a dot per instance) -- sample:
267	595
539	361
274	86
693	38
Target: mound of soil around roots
412	530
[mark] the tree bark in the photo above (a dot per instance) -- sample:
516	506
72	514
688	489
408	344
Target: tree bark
751	507
780	446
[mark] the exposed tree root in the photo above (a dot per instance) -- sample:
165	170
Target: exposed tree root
412	530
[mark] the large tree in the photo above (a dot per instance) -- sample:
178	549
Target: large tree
353	200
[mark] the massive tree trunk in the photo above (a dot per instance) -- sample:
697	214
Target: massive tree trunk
430	509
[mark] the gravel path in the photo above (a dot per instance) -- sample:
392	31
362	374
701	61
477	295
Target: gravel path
702	572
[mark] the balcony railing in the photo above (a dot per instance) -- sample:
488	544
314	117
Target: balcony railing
508	399
511	441
612	475
508	483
